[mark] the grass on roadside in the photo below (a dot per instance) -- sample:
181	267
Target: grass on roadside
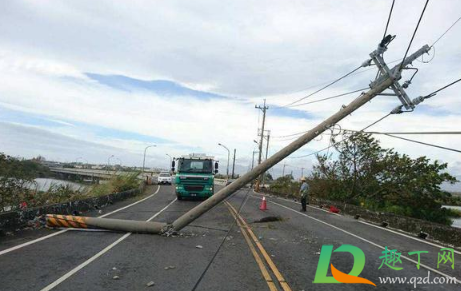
115	184
57	193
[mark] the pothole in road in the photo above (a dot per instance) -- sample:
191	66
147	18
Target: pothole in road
269	219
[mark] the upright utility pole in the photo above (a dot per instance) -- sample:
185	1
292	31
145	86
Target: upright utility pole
253	160
233	164
263	109
267	144
388	78
302	172
283	171
267	151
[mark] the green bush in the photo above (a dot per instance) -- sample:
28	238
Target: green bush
286	185
116	184
380	179
16	176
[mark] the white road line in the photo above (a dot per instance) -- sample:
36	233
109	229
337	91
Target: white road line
363	239
132	204
288	200
408	236
376	226
93	258
65	230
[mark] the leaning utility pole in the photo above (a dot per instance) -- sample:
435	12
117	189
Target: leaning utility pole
388	78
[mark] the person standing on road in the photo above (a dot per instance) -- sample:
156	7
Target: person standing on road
303	191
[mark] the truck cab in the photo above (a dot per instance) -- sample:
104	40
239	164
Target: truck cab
194	176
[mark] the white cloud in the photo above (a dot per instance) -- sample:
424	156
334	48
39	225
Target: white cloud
246	49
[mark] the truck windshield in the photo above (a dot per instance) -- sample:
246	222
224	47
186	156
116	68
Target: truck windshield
195	166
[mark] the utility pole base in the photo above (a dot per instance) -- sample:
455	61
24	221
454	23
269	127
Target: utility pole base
69	221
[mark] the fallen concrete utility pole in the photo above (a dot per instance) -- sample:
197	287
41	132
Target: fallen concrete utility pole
54	220
387	79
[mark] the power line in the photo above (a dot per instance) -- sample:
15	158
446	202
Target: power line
324	87
344	139
222	242
441	89
389	18
413	36
354	71
314	86
324	99
446	31
331	97
289	135
328	98
424	97
423	143
394	61
411	132
398	133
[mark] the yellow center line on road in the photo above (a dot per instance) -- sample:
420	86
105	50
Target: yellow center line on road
262	267
244	226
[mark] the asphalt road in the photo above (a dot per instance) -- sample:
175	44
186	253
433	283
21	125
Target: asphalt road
228	248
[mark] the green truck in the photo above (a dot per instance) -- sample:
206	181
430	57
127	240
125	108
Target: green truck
194	176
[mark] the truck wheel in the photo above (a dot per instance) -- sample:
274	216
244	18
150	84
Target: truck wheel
179	197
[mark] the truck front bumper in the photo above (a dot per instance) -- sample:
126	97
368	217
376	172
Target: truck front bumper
205	193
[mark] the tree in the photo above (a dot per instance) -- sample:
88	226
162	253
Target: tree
285	185
16	176
382	179
13	181
268	177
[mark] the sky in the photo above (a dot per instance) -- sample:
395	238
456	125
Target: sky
94	79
